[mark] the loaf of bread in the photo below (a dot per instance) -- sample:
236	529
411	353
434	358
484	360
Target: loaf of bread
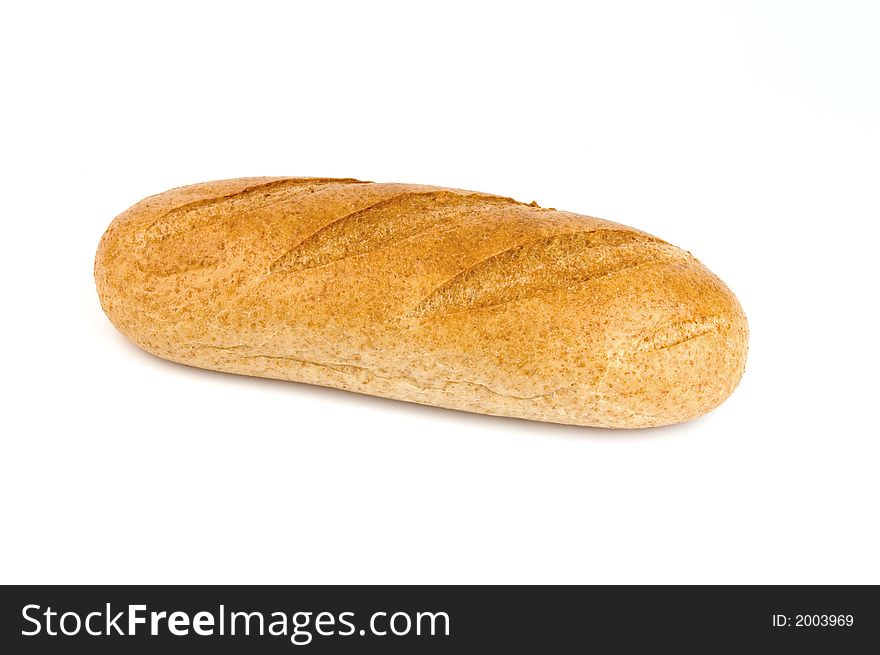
438	296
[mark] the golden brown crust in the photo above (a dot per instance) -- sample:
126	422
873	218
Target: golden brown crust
439	296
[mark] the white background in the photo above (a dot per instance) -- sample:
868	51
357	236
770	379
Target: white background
744	132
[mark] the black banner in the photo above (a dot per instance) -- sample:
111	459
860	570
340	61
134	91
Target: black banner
411	619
